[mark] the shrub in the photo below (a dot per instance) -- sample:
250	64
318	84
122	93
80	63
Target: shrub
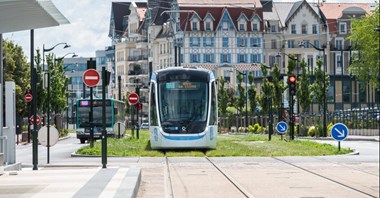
329	129
255	128
63	132
311	131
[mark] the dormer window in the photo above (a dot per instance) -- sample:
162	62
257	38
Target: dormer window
255	23
241	27
343	28
194	25
208	26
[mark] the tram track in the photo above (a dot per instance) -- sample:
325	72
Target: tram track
230	179
324	177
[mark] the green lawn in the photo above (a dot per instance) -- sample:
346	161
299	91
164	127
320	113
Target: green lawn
227	145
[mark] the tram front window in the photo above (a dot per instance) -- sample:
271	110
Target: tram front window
183	106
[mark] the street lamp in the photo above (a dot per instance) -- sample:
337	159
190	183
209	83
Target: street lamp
324	83
48	93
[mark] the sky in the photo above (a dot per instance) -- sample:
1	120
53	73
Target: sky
88	28
86	33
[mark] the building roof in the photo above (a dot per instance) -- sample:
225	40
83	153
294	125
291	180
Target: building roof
220	3
17	15
334	11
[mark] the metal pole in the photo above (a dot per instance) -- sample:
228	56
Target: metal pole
324	95
104	131
34	110
246	100
1	86
179	55
175	55
91	119
48	119
119	81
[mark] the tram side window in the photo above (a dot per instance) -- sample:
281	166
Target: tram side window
214	109
153	112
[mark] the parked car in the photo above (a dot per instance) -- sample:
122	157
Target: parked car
144	125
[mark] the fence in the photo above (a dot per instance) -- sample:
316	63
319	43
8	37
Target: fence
360	122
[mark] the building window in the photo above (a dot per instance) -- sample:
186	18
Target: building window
310	64
272	61
208	58
255	27
208	41
242	58
339	44
195	41
255	58
194	58
304	28
346	91
342	28
273	44
195	25
241	27
315	29
290	43
273	28
293	29
338	60
316	43
208	26
241	42
227	75
225	42
255	42
225	58
225	25
362	93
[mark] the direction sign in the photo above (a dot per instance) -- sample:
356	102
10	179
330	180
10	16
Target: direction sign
133	98
282	127
28	97
38	120
339	131
91	77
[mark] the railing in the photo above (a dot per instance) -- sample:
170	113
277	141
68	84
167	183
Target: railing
137	58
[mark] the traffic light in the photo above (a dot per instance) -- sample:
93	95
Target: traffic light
292	80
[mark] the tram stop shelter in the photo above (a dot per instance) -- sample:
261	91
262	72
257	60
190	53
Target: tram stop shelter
18	15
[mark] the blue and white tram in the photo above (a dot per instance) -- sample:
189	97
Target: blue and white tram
183	109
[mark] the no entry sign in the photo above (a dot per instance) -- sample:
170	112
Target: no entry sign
28	97
133	98
38	120
91	77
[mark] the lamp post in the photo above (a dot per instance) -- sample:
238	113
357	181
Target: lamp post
48	93
324	83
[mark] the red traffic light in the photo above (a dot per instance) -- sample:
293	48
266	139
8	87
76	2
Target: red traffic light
292	79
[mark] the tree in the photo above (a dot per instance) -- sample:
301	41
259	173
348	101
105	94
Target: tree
303	87
252	94
242	96
16	68
223	97
266	90
278	86
321	81
365	36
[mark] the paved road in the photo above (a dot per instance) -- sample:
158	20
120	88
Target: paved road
323	176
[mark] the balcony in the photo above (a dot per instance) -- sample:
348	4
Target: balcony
138	58
142	43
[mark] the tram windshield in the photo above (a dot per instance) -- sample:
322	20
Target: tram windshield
183	106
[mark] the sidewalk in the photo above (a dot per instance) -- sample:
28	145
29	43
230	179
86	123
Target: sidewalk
90	181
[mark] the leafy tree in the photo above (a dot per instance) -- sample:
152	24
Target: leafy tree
365	35
223	97
41	91
266	90
278	85
303	87
58	86
242	96
252	94
321	84
16	68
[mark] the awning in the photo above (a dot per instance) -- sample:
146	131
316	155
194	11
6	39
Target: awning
18	15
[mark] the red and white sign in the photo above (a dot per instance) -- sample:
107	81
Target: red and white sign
28	97
91	77
133	98
38	120
297	120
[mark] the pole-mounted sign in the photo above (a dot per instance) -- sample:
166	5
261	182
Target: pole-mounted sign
91	77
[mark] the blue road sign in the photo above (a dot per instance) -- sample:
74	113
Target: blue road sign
339	131
282	127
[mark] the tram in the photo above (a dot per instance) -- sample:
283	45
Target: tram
183	109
